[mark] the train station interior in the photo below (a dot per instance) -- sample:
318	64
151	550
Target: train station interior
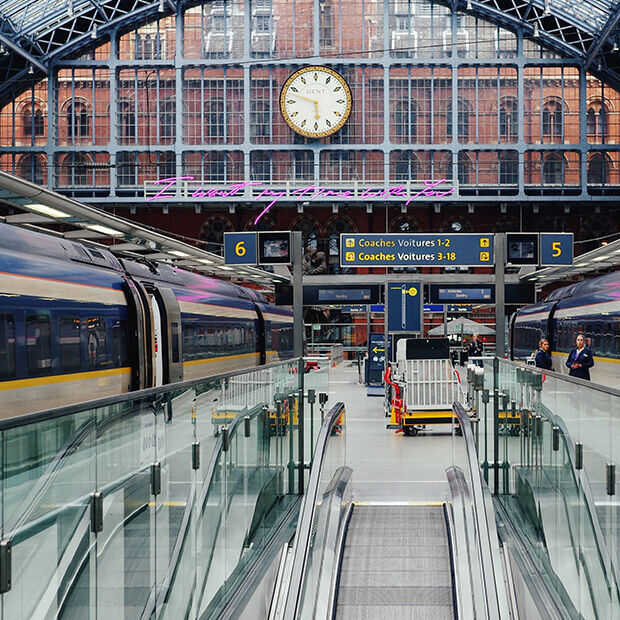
309	309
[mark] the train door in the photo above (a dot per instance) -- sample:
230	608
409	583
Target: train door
169	336
158	359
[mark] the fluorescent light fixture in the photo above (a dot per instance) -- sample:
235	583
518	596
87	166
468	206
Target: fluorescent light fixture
598	259
204	261
616	251
225	268
45	210
178	253
581	264
104	230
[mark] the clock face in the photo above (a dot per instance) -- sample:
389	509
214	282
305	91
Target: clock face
315	102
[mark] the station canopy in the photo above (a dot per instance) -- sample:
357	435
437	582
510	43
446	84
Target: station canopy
35	33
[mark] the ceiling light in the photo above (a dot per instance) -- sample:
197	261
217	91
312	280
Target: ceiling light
598	259
161	6
45	210
547	9
536	33
30	70
179	253
104	230
93	32
469	5
70	8
224	268
615	47
585	264
204	261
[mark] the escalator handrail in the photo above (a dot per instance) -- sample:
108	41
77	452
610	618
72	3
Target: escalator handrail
497	602
307	513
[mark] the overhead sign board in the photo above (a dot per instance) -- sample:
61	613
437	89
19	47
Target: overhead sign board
404	301
556	249
240	248
434	307
274	248
415	250
454	293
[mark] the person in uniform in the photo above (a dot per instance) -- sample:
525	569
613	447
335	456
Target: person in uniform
543	356
476	347
580	360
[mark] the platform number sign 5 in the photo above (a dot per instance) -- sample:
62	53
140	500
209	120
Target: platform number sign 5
556	249
240	248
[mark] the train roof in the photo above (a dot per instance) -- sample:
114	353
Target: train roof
31	242
602	284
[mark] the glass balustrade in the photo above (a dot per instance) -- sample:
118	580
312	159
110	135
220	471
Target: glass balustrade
153	504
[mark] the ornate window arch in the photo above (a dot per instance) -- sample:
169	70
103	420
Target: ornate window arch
465	169
553	113
464	112
599	167
508	119
31	168
126	121
597	119
553	169
77	113
74	169
405	120
406	166
309	228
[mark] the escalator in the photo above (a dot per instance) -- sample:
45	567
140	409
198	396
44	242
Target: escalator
396	558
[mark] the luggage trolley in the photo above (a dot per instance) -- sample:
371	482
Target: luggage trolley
429	385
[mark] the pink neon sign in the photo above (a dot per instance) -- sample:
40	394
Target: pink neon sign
308	193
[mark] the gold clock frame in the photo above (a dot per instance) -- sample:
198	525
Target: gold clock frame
345	116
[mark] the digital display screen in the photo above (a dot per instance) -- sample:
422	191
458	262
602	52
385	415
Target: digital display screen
522	249
465	294
274	248
333	295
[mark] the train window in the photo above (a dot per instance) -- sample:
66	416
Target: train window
174	335
69	340
96	343
119	344
39	344
7	346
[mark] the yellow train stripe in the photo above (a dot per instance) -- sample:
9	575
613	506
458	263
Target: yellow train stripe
17	284
210	360
596	358
74	376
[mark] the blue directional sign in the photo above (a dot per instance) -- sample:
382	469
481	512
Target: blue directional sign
556	249
415	250
433	307
404	306
240	248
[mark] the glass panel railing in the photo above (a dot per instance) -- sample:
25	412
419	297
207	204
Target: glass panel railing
550	453
154	503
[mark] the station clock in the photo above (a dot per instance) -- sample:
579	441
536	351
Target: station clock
315	101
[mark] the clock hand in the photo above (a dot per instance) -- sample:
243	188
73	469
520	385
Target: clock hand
316	110
306	98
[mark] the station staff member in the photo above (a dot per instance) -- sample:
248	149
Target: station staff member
543	357
475	347
580	360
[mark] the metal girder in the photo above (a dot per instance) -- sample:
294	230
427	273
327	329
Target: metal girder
612	22
100	10
7	42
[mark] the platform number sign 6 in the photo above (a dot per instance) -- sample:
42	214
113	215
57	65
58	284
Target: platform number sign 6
240	248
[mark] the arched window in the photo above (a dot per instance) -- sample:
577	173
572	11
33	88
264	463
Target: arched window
127	121
406	167
553	169
260	166
508	168
308	227
303	165
405	120
214	119
598	169
75	169
596	121
167	165
508	120
31	168
78	121
33	122
215	167
335	226
167	119
463	117
126	169
464	169
553	120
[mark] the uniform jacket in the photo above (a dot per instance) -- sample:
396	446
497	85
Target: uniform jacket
475	348
543	360
584	357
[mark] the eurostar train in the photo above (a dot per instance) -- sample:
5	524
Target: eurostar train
76	323
591	307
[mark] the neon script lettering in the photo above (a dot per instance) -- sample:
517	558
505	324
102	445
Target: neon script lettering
310	192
